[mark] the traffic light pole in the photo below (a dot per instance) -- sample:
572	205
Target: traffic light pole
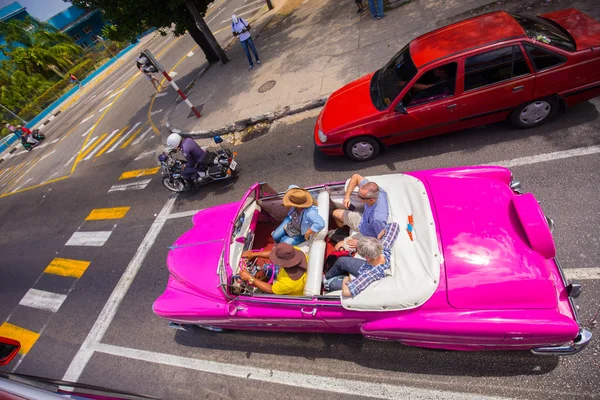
172	82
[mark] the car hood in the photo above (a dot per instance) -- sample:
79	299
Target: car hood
347	105
195	256
488	260
583	28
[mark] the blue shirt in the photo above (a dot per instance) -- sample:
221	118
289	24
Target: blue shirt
375	217
310	220
368	273
192	152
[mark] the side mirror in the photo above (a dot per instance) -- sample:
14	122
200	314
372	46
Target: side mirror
401	109
218	139
9	348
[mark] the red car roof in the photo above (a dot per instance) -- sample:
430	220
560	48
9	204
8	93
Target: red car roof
464	35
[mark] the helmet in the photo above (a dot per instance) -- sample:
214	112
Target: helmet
174	140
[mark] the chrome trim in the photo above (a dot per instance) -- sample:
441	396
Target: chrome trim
550	223
515	185
566	283
579	343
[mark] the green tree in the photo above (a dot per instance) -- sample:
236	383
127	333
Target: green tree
133	17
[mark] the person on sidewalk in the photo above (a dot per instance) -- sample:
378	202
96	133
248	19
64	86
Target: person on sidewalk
140	62
376	9
240	27
74	80
361	8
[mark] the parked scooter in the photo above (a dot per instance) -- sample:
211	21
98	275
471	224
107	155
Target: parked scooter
218	166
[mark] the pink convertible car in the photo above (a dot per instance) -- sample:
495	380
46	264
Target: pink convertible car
473	268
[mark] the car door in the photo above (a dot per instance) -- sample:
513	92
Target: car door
494	82
428	108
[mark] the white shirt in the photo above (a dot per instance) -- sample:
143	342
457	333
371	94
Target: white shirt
241	24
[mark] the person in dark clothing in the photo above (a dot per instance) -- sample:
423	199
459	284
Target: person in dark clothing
192	153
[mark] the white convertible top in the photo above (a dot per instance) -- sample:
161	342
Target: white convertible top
415	264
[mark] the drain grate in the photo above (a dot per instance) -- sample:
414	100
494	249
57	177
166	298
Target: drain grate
265	87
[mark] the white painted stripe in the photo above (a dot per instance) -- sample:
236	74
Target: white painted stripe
70	160
130	186
161	94
539	158
172	74
107	93
155	112
174	85
115	93
87	119
89	143
47	155
53	175
112	305
54	141
359	388
51	117
189	103
118	142
143	155
95	239
212	19
43	300
139	139
191	53
106	140
86	132
182	214
105	107
248	5
242	14
582	273
23	184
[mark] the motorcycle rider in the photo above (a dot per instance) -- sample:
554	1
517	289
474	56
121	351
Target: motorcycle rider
192	153
28	135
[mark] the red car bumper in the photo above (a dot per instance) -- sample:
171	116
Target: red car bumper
331	149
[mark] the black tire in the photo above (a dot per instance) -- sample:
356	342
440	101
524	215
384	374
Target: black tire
533	113
176	185
363	148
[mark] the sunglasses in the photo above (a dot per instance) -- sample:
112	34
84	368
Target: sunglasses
363	198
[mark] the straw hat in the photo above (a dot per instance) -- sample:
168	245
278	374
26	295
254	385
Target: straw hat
299	198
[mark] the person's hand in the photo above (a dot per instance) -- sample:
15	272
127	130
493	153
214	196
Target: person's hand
245	275
346	280
352	243
249	254
381	234
346	201
308	234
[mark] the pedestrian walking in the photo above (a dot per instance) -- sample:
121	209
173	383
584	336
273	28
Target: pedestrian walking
361	8
141	62
74	80
376	9
240	27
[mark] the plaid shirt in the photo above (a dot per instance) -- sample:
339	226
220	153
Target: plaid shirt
368	274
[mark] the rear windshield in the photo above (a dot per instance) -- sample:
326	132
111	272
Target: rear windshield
546	31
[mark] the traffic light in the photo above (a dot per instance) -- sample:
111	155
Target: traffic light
145	64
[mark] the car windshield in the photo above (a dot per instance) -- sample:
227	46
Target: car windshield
546	31
388	82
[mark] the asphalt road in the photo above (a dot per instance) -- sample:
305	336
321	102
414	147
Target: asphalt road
42	224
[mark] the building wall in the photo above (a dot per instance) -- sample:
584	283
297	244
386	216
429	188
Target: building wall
10	12
85	32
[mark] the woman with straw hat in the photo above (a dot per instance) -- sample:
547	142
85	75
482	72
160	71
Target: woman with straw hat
302	221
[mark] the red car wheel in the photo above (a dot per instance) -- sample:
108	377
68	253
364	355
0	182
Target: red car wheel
363	148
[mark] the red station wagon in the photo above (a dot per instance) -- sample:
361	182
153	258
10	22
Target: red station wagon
481	70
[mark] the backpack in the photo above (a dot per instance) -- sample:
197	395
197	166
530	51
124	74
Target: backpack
334	255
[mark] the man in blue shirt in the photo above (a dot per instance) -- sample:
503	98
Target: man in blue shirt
192	153
240	27
373	219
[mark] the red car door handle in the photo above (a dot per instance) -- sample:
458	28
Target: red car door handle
451	106
518	88
312	312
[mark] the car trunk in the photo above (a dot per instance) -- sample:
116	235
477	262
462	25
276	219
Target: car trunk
584	29
489	260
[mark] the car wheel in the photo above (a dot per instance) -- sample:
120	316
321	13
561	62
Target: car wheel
363	148
533	113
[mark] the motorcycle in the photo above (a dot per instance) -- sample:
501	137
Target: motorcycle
37	135
216	167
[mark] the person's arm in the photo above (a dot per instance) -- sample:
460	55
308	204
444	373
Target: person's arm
318	222
363	281
345	290
391	234
354	182
263	286
250	255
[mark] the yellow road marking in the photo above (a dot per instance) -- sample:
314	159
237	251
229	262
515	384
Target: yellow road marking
131	138
138	172
67	267
15	175
111	142
35	186
8	173
26	337
107	213
68	133
89	149
22	175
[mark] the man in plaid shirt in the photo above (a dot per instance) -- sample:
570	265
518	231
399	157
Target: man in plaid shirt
377	254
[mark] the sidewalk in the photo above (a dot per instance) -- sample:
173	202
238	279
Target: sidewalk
307	54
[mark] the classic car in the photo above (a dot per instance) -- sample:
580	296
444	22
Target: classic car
474	72
474	268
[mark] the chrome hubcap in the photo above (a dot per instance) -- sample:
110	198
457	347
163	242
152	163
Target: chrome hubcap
362	150
535	112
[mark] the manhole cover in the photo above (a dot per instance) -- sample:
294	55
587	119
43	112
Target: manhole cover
265	87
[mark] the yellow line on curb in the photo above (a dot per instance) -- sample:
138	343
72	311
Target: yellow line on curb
35	186
107	213
111	142
131	138
138	172
67	267
26	337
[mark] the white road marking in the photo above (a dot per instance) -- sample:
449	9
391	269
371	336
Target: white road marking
112	305
118	142
47	155
115	93
248	5
55	140
95	239
161	94
43	300
54	174
538	158
143	155
213	18
20	186
87	119
71	160
183	214
106	140
88	144
130	186
354	387
86	132
138	140
155	112
105	107
582	273
172	74
244	13
107	93
191	53
51	117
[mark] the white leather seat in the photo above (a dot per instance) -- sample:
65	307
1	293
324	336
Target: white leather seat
316	254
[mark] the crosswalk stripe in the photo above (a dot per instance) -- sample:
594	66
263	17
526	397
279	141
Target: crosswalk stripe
15	174
111	142
43	300
89	143
131	138
102	143
107	213
26	337
130	186
116	145
141	137
92	145
4	174
138	172
143	155
67	267
86	132
94	239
